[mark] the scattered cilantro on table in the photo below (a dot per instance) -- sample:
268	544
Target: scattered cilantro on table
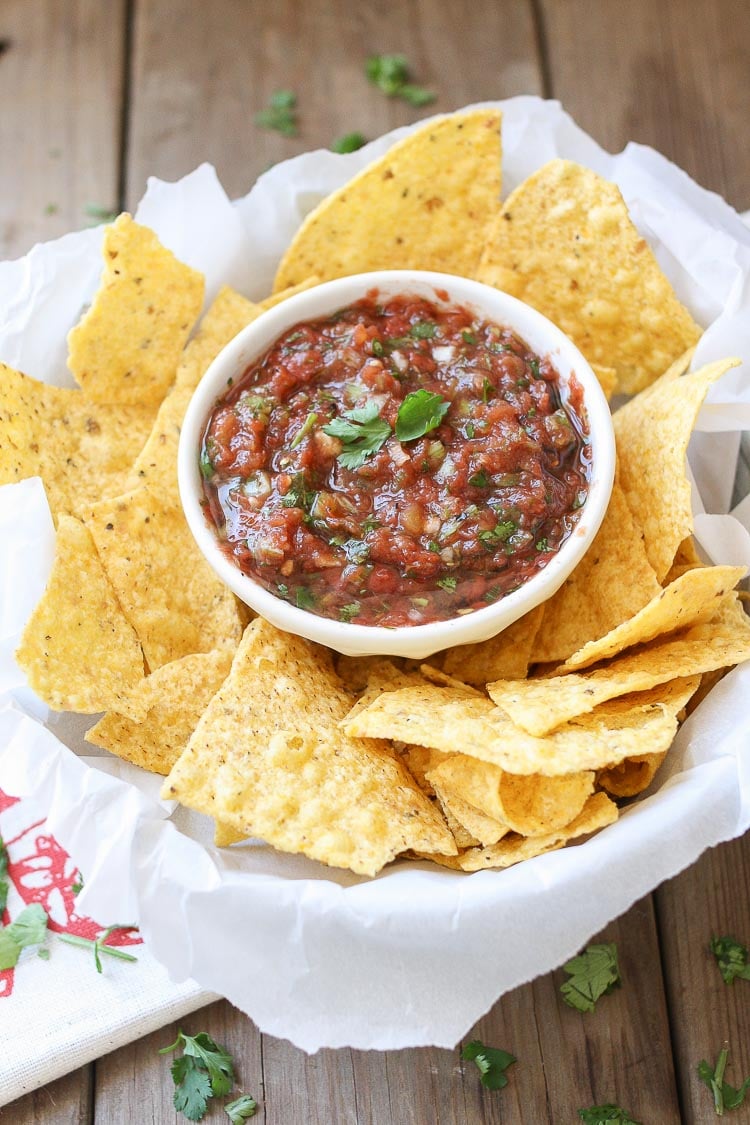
391	74
101	214
593	974
602	1114
491	1062
240	1109
725	1096
100	946
420	412
280	115
350	142
731	958
203	1071
362	431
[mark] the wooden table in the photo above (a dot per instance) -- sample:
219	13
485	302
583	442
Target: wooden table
98	94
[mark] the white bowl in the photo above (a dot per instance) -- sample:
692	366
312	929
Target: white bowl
415	641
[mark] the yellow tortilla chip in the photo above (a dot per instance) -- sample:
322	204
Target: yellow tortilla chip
172	700
419	760
598	812
531	805
268	759
225	835
459	832
607	377
538	706
631	777
82	450
483	829
652	435
126	347
169	593
505	656
157	461
277	298
445	720
78	650
565	244
425	204
692	599
611	583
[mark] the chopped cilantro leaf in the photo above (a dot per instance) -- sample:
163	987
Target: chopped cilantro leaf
390	73
101	214
377	348
542	544
469	429
602	1114
305	598
240	1109
204	1070
487	390
731	958
468	337
725	1096
304	429
283	589
299	495
491	1063
423	330
480	479
347	612
534	365
350	142
369	524
51	209
593	974
207	469
77	886
280	115
362	430
420	412
448	583
501	532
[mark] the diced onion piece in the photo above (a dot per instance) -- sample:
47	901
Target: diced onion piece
400	360
444	354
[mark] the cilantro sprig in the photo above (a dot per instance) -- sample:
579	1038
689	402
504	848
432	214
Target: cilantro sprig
29	928
603	1114
731	958
593	974
350	142
99	945
420	412
362	431
491	1063
3	876
391	74
280	115
725	1096
204	1070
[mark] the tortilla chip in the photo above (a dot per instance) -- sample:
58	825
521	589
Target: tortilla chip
445	720
283	294
78	650
531	805
630	777
652	433
424	204
565	244
607	377
126	347
172	700
505	656
538	706
692	599
268	759
463	838
598	812
419	760
82	450
483	829
157	461
225	835
611	583
169	593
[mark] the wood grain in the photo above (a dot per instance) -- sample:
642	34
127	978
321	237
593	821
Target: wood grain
61	74
202	71
68	1101
672	74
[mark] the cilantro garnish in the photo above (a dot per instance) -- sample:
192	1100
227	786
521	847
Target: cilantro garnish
362	430
447	583
534	365
731	958
468	337
487	390
725	1096
100	945
420	412
204	1070
390	73
350	142
542	544
240	1109
593	973
491	1063
304	429
347	612
206	465
501	532
280	114
304	598
29	928
469	429
480	479
601	1114
423	330
299	495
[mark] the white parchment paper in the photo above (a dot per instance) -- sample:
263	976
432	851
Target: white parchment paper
415	956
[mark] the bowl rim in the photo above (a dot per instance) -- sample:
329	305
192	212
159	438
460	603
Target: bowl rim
416	641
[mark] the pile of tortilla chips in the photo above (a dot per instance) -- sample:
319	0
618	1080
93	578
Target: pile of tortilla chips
489	753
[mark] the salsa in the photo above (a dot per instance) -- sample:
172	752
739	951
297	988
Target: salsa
396	463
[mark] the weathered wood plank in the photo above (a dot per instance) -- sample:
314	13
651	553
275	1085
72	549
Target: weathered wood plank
709	899
61	78
672	74
202	71
68	1101
135	1084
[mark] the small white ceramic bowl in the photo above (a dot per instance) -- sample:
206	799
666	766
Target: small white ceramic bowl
415	641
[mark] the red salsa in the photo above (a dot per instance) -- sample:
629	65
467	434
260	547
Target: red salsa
396	463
